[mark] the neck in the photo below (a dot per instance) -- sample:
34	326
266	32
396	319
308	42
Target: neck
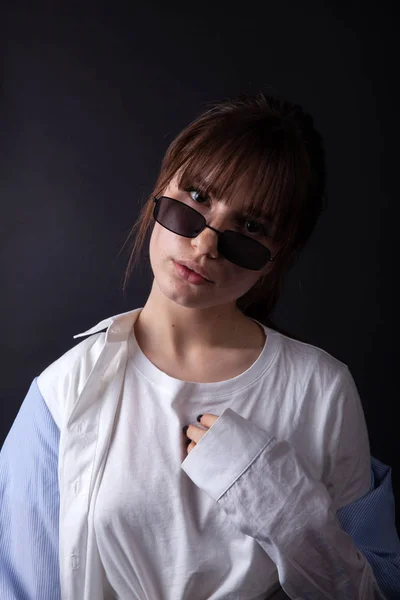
182	332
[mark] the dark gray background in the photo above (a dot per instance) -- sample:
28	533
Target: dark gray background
91	97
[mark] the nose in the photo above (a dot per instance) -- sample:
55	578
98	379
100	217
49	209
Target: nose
206	242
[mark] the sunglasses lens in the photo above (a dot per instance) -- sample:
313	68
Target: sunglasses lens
186	221
178	217
243	251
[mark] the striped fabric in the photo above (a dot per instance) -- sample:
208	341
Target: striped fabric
29	503
371	523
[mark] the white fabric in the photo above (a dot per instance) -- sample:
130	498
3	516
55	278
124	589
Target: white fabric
252	505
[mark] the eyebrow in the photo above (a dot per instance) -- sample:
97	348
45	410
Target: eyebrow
256	213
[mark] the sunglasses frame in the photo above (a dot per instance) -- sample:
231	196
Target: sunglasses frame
219	233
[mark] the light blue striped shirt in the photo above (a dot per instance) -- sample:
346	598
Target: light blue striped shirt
29	505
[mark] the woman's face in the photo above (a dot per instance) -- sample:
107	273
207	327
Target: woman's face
228	281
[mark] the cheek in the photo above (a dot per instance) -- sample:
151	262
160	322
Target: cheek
156	245
164	245
244	282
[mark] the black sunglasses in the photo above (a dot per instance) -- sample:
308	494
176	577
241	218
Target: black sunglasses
236	247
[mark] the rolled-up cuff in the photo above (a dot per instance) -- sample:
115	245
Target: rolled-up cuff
224	452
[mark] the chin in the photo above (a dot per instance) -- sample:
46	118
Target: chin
181	292
187	298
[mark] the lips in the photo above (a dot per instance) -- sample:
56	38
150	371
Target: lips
196	268
190	275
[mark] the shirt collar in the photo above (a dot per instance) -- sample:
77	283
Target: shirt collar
118	326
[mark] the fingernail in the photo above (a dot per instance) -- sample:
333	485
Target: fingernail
184	429
198	418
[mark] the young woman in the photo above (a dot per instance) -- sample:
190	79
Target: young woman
191	450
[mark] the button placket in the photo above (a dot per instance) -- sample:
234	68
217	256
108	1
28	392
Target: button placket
85	431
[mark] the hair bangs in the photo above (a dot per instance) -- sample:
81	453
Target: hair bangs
262	174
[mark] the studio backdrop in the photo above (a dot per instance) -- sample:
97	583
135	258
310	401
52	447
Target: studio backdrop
90	99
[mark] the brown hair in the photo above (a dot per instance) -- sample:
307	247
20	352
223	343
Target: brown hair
262	139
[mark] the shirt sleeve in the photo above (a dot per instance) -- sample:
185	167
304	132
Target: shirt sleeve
371	522
265	488
29	504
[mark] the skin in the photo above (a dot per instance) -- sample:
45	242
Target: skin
199	324
192	319
194	433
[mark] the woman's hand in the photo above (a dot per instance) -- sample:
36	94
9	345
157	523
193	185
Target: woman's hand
194	433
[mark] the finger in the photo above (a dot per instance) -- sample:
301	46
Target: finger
190	447
195	433
208	419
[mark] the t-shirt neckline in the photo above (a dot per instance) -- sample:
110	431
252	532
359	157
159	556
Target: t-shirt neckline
155	375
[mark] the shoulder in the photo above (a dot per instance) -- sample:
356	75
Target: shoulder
309	363
320	386
65	378
325	397
68	373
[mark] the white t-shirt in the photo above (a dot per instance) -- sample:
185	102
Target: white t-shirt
162	537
